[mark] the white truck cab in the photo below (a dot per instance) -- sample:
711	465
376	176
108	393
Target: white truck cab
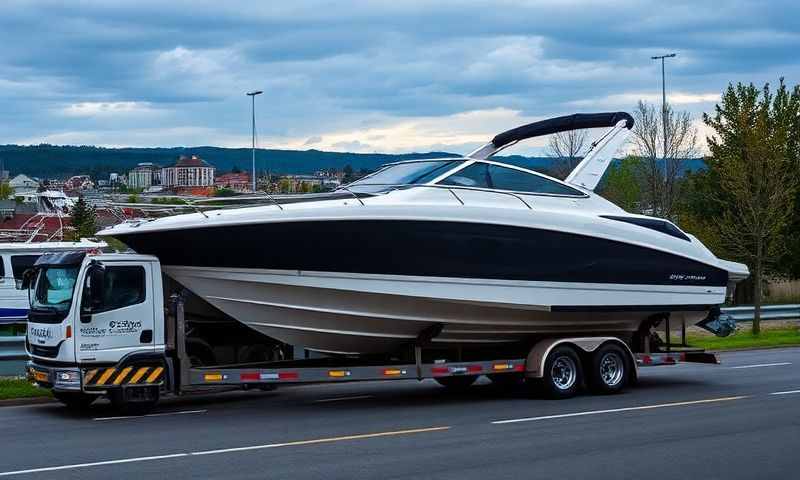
94	315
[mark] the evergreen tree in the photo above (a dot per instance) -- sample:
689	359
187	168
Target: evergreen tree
84	220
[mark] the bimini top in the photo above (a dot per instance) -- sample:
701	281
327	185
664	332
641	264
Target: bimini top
566	123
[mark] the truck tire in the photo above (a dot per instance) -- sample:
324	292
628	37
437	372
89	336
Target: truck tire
131	403
75	400
457	383
563	376
610	369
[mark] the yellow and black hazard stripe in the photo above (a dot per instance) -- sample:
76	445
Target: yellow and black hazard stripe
131	375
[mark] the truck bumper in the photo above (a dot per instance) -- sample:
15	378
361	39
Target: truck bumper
63	379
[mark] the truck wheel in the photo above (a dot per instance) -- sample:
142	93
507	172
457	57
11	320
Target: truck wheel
75	400
610	369
135	400
457	383
562	373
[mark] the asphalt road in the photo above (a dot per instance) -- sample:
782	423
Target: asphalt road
736	420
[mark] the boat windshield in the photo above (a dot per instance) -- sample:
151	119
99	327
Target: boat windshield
53	289
408	173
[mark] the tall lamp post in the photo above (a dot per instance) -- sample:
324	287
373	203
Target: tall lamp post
664	118
252	95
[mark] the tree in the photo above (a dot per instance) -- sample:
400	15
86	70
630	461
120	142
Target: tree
84	220
622	184
661	168
6	190
348	174
568	148
754	154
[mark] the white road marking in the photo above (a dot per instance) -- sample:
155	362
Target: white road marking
338	399
788	392
225	450
617	410
759	365
164	414
92	464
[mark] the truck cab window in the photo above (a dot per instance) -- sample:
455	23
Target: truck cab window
124	286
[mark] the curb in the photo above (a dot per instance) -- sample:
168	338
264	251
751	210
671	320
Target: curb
15	402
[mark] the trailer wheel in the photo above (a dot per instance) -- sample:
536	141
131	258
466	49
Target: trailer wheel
562	373
610	369
457	383
75	400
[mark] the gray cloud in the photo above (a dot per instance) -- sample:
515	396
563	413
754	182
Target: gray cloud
181	68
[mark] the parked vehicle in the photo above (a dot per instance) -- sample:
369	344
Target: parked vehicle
113	325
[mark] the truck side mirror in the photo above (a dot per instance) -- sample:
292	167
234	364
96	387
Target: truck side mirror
27	277
97	283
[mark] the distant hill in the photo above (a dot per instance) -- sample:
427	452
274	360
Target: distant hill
53	161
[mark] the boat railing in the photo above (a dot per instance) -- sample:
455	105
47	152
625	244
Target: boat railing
449	188
222	203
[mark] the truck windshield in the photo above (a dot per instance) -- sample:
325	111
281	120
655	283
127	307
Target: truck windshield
53	289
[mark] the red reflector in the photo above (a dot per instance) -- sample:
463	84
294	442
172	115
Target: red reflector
474	368
646	359
287	375
249	376
519	368
440	370
69	331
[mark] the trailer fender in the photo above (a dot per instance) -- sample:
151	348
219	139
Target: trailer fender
534	364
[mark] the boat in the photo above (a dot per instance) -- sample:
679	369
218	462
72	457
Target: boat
15	259
453	251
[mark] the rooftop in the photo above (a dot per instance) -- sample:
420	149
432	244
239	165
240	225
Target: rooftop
191	161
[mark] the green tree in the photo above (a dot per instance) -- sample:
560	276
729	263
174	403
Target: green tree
754	153
133	198
84	220
622	184
224	192
6	190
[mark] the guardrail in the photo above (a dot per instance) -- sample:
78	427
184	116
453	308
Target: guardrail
13	348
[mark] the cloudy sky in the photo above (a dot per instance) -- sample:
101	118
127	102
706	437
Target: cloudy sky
388	76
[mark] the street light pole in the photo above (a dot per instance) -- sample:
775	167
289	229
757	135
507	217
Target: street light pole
252	95
664	113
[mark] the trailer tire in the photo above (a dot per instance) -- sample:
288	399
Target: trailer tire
75	400
610	369
563	375
457	383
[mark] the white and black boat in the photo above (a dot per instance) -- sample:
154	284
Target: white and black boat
456	250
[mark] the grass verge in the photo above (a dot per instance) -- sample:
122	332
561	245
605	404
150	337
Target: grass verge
776	337
20	388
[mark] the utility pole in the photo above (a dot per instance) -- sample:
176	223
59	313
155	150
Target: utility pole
664	117
252	95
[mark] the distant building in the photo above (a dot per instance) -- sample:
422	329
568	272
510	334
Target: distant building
188	171
23	182
145	175
239	182
79	182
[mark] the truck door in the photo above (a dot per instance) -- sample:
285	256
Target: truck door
122	322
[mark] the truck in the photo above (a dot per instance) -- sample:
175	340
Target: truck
114	325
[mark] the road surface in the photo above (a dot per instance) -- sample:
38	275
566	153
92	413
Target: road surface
736	420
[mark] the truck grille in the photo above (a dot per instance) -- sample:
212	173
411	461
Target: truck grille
49	352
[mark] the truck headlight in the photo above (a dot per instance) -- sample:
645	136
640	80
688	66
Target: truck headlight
67	377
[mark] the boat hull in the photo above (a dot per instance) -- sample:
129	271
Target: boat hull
349	313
